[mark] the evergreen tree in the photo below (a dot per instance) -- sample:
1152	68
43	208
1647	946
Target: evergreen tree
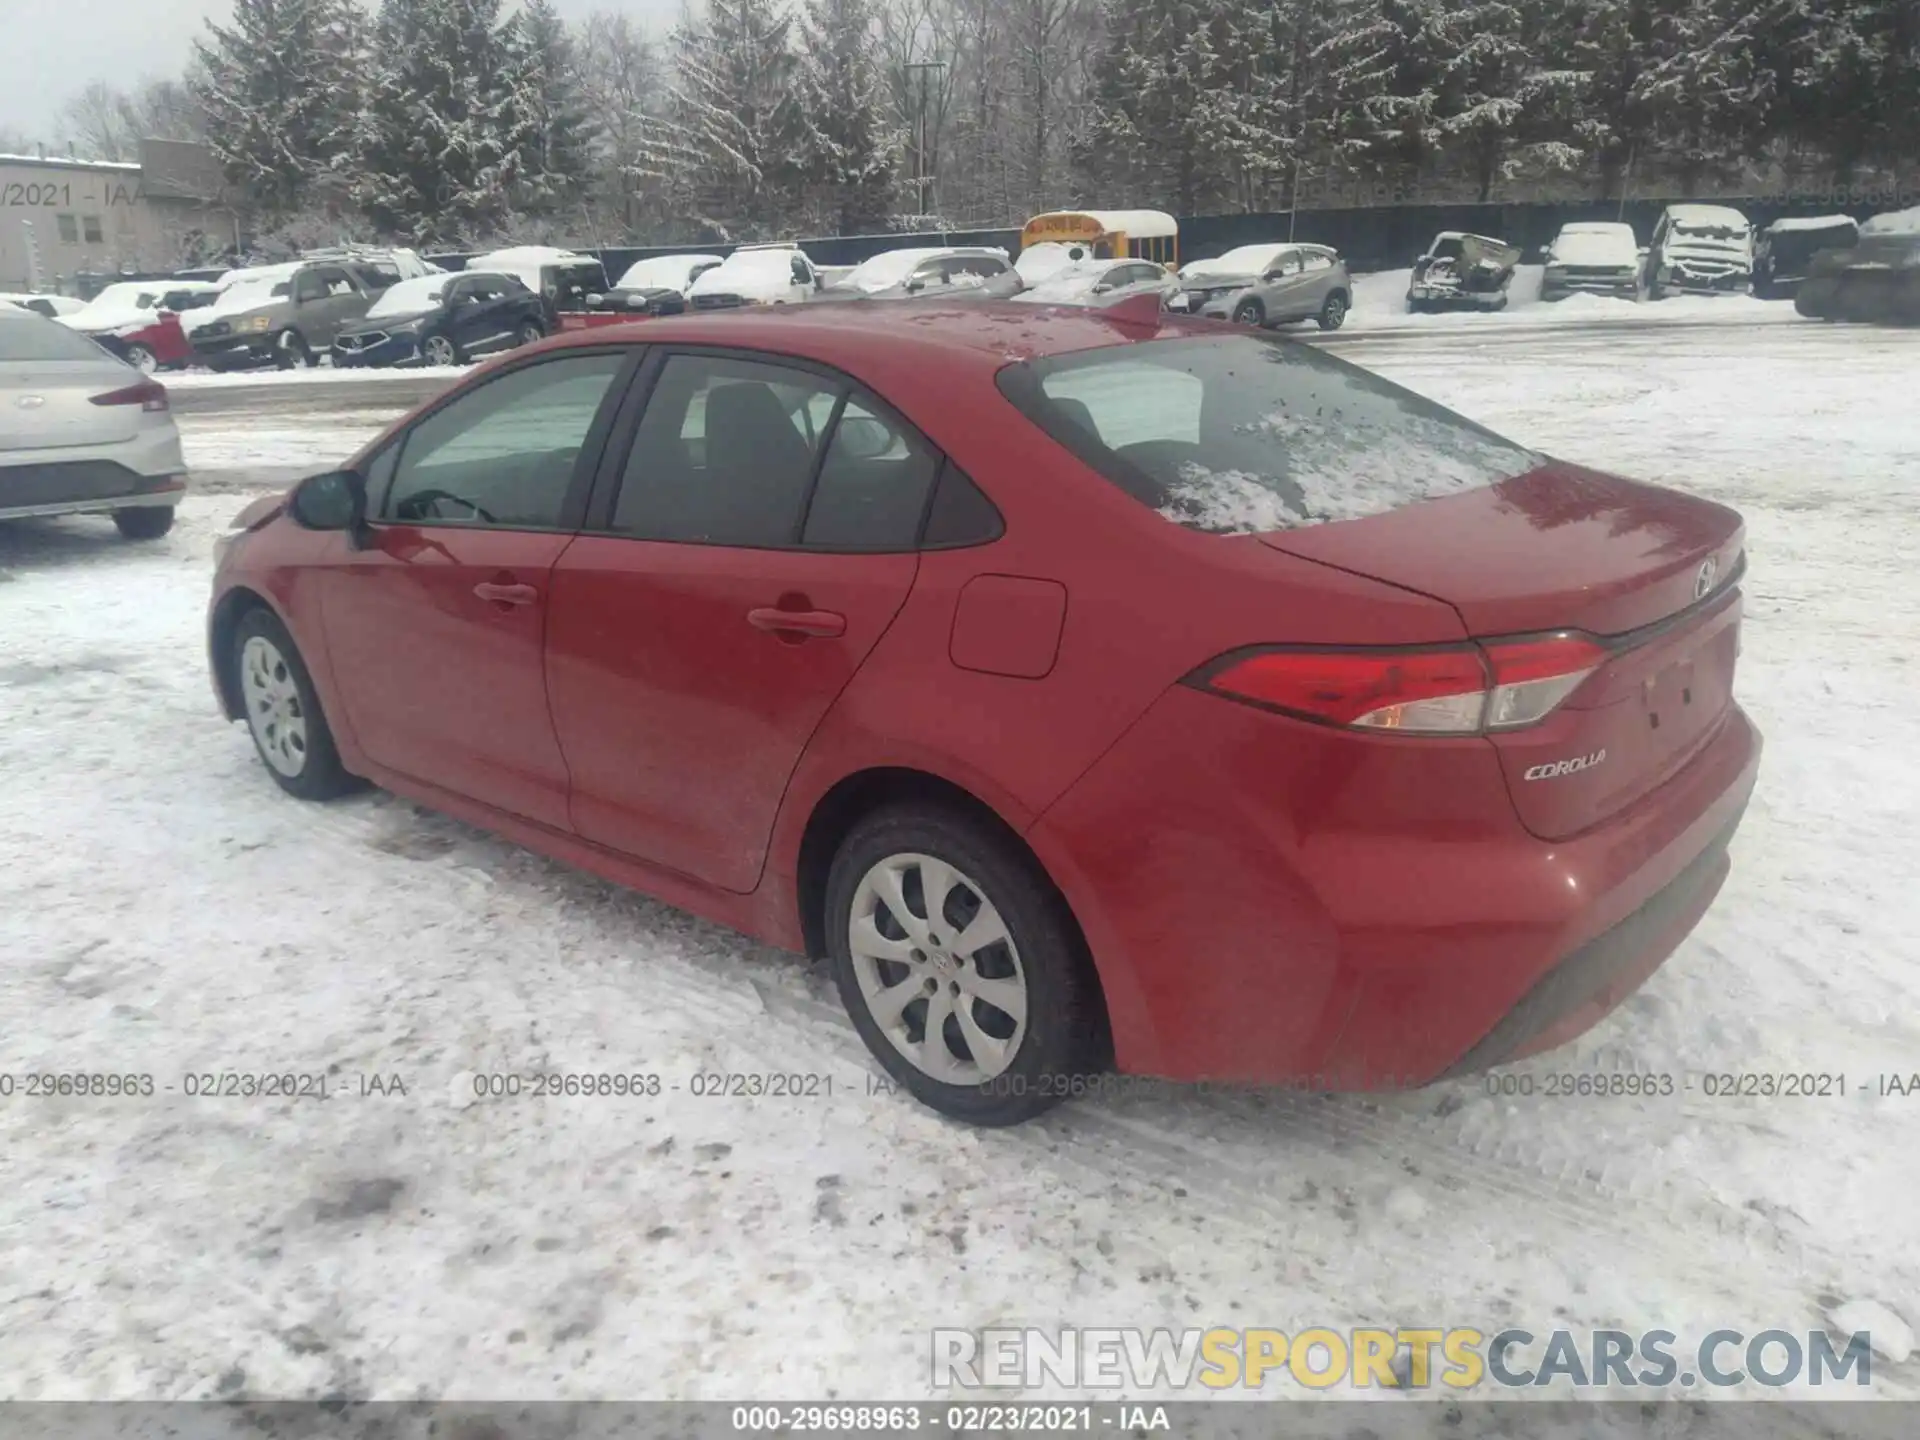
844	151
557	162
732	133
278	89
445	127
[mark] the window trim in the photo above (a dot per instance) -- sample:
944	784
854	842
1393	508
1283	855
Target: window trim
605	497
585	466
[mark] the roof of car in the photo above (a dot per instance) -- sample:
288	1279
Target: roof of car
860	338
1705	215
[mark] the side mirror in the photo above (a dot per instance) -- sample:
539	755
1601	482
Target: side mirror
335	500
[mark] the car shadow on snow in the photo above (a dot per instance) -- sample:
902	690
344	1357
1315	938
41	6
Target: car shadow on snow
50	542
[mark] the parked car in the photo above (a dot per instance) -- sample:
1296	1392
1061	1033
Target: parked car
287	316
1102	282
666	272
563	279
757	275
139	320
1459	271
1592	257
83	433
1878	280
1784	252
1073	686
443	320
1047	258
51	306
970	272
1268	285
1705	249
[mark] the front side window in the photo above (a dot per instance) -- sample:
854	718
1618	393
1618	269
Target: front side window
1242	434
504	453
725	453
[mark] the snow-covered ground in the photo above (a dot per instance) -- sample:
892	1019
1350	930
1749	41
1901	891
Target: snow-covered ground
165	910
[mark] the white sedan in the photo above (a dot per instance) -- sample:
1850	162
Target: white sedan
1095	282
82	432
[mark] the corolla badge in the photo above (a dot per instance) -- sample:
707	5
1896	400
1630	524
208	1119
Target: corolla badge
1554	769
1703	579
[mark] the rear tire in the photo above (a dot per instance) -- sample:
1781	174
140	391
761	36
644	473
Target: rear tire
531	334
283	712
145	522
1333	314
1001	937
142	359
1250	312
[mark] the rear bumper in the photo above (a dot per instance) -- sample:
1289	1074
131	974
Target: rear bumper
1273	902
81	488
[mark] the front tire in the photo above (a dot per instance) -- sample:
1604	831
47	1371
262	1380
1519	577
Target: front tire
1333	314
283	712
142	359
1250	312
291	352
145	522
440	350
531	334
959	965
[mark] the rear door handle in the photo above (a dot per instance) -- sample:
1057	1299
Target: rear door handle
823	623
506	594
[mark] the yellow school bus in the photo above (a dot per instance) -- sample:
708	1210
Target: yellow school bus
1108	234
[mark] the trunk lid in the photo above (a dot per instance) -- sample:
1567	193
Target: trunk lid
1651	572
48	405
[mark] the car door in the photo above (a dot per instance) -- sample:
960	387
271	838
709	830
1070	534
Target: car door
434	625
1283	288
481	316
744	552
805	279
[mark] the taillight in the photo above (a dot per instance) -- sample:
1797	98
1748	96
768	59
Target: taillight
149	395
1444	690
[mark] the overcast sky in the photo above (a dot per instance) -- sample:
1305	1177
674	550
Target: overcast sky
50	49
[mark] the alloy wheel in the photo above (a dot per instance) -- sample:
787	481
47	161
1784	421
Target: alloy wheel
440	350
938	969
274	713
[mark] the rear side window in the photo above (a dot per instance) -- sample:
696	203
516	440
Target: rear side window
32	338
1241	434
873	485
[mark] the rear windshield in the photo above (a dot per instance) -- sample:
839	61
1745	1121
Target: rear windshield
1237	434
28	337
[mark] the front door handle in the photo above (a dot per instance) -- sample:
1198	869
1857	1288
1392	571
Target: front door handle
506	595
822	623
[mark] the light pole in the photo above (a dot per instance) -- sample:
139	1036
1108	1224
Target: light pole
922	176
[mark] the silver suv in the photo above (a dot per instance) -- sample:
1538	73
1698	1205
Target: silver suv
1268	285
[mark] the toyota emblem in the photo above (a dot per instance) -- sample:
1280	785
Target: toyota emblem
1703	581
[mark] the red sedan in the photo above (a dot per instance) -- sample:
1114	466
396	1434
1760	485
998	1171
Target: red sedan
1094	689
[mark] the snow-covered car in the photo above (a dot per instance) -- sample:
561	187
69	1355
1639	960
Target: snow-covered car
1460	271
1878	280
444	319
1048	258
1704	249
1783	255
51	306
940	272
84	433
1097	282
666	272
757	275
1268	285
1593	257
563	279
139	320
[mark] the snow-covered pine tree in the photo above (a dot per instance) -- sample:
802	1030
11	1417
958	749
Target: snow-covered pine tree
732	134
443	130
557	161
279	90
845	150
